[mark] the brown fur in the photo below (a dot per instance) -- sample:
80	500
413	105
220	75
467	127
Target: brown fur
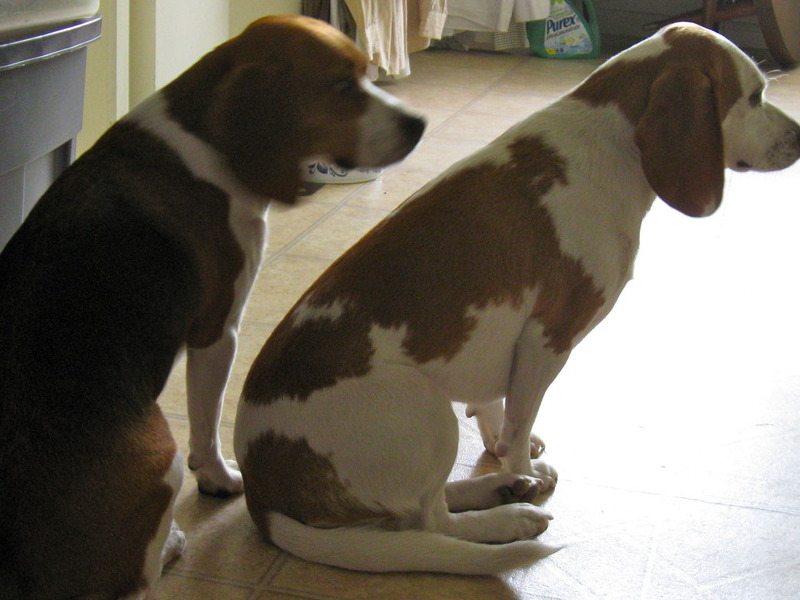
304	485
403	273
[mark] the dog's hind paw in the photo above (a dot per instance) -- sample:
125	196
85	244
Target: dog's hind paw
174	545
219	478
547	474
537	446
521	521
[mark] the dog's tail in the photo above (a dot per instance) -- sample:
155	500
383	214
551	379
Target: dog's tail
378	550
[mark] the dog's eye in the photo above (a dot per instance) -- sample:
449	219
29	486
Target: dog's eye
757	98
346	85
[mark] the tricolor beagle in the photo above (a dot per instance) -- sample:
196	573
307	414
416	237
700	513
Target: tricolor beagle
476	289
147	245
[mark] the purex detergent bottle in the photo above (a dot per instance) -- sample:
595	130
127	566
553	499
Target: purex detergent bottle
567	32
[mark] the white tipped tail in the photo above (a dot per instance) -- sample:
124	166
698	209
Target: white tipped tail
378	550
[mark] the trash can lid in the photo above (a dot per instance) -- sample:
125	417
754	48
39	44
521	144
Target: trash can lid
19	53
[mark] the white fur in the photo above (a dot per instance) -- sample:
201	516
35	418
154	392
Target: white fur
307	312
474	375
374	550
397	418
756	137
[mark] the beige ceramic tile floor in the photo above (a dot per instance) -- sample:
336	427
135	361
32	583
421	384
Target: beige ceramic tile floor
675	426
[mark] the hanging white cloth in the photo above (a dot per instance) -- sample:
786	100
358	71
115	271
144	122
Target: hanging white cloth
390	30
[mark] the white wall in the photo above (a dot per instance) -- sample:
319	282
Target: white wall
244	12
107	73
185	31
142	57
169	36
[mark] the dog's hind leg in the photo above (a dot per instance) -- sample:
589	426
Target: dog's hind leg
488	491
174	545
476	509
168	541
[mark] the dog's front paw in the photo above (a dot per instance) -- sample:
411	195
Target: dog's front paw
220	478
521	489
546	474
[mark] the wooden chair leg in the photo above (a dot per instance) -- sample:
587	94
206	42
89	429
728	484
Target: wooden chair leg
710	14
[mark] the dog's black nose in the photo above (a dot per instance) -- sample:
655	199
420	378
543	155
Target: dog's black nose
413	126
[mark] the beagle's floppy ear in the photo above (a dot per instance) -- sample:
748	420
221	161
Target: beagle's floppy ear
680	139
254	122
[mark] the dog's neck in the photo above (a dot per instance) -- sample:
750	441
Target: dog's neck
599	213
202	159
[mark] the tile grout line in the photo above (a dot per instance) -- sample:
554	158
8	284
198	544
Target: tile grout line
478	97
265	583
336	207
198	576
647	580
273	570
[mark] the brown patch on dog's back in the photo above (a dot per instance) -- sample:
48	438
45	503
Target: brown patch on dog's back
479	237
300	359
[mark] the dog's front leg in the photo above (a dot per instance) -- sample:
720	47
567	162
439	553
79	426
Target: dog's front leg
207	372
490	422
535	366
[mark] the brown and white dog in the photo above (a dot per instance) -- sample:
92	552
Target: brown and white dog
147	245
475	290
